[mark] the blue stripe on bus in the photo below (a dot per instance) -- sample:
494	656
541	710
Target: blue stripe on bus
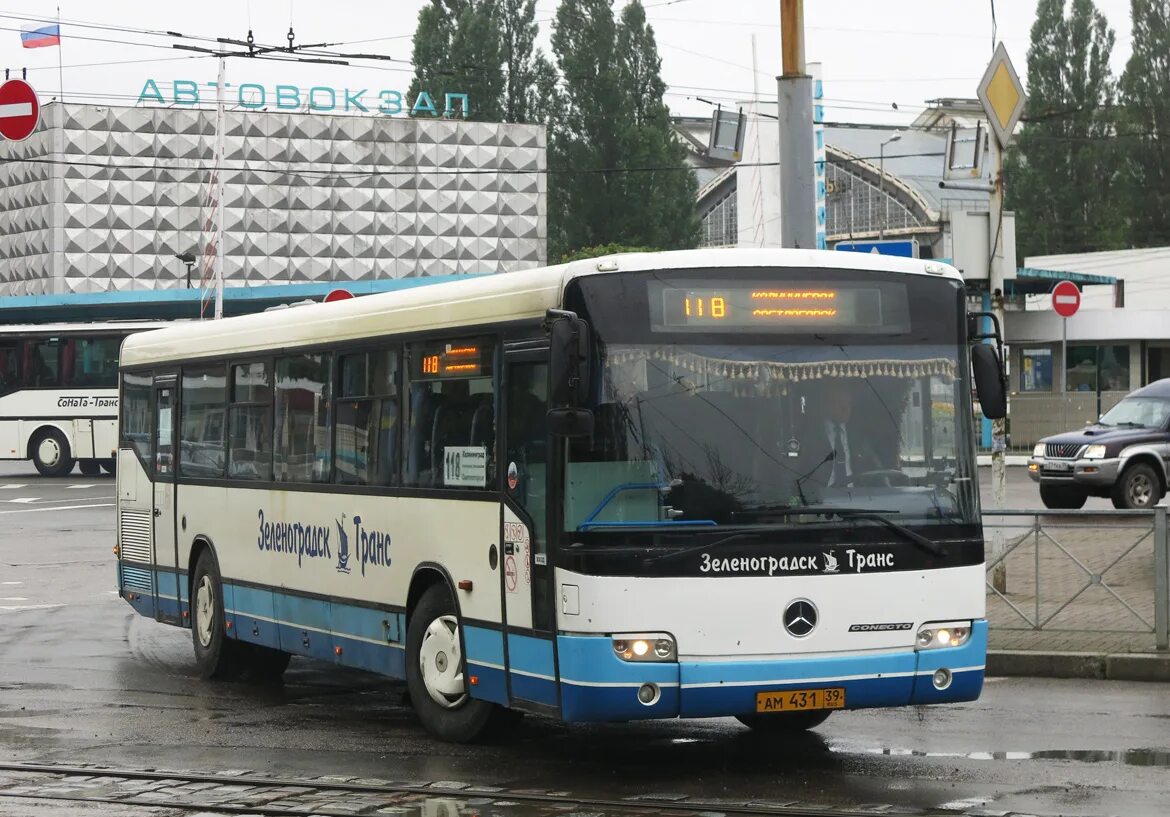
596	685
966	685
532	669
793	670
533	656
484	652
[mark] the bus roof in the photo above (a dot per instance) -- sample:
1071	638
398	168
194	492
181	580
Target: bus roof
500	298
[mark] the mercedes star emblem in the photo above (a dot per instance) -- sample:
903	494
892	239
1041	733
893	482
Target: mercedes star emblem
800	618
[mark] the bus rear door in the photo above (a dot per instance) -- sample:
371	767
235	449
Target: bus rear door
164	548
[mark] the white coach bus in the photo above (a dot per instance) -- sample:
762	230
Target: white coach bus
702	483
59	394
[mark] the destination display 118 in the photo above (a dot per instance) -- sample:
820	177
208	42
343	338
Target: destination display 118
795	306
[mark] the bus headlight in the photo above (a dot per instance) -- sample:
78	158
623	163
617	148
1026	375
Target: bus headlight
645	647
943	634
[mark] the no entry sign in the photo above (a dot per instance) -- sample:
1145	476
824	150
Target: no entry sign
19	110
1066	299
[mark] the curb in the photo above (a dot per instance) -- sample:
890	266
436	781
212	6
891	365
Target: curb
1097	666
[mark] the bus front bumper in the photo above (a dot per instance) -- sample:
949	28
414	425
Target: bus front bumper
596	685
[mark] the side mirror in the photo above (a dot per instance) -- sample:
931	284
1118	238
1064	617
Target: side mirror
989	380
569	358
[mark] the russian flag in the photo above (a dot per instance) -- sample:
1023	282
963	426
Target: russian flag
40	35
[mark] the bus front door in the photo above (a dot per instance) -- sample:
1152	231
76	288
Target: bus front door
166	579
527	580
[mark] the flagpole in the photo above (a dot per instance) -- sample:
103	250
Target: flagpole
60	68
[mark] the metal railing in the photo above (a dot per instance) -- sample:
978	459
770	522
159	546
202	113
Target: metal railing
1092	580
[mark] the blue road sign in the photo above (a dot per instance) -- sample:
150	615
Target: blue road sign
905	248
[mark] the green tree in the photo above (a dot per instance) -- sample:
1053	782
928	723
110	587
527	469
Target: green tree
1145	125
517	39
1063	168
458	50
617	175
661	187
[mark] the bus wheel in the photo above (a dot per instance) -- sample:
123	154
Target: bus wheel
784	722
89	468
110	466
50	453
216	655
434	674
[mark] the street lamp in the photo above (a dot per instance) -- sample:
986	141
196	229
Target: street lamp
882	184
188	259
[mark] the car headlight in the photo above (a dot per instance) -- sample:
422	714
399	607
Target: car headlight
1038	451
645	647
935	636
1095	452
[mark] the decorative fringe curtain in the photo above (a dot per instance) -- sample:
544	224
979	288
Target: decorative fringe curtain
772	373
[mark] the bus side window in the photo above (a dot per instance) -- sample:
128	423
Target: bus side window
249	422
135	415
41	363
367	419
9	366
301	449
201	422
451	432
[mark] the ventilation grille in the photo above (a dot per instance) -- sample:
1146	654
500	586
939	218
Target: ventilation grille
1061	450
134	536
136	578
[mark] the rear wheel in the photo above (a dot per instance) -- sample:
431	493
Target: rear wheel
1062	497
110	466
780	723
89	468
217	656
434	674
50	453
1138	488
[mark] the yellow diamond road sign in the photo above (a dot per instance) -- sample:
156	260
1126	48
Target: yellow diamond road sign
1002	95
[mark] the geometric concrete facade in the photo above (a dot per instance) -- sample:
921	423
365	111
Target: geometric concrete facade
113	193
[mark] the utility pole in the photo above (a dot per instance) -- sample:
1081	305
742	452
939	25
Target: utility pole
1002	96
798	226
996	277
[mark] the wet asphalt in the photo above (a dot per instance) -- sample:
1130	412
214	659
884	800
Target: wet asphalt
83	679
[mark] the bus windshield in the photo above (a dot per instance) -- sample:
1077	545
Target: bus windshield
698	428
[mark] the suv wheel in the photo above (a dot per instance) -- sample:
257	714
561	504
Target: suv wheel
1138	488
1062	497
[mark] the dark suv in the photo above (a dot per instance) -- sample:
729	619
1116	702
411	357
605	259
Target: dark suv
1124	455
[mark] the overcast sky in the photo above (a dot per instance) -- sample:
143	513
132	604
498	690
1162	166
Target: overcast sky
874	54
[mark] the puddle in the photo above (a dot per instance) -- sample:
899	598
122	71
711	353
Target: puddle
1125	757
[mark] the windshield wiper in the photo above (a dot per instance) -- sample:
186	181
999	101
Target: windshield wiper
1131	424
869	514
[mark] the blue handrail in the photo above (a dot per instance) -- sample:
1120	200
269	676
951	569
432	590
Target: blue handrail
635	486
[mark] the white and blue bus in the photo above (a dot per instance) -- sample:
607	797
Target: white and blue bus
59	394
689	484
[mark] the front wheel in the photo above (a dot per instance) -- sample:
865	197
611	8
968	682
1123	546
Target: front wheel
89	468
110	466
51	454
784	723
1062	497
1138	488
216	655
434	674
